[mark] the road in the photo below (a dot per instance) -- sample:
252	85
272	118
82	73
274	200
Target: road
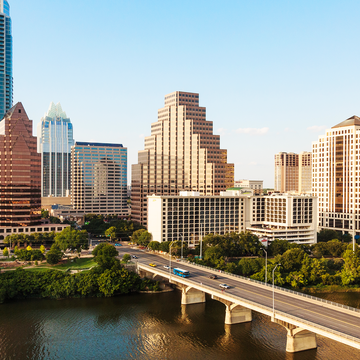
329	317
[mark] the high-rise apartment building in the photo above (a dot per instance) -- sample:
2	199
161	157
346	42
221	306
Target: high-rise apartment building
182	154
20	177
55	139
99	178
336	176
6	75
293	172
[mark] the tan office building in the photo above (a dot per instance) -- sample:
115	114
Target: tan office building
182	154
336	176
293	172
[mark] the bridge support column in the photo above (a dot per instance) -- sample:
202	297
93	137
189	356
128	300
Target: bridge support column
298	339
192	296
235	314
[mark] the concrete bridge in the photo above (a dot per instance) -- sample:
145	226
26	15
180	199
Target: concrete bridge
301	315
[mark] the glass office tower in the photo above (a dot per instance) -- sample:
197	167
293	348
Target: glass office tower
6	78
55	139
99	178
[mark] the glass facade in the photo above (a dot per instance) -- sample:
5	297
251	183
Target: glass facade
99	178
6	76
20	180
55	139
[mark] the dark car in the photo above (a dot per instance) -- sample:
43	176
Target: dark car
213	277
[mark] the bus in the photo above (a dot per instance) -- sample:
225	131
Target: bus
181	272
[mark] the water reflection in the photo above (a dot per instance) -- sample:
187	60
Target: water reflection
147	327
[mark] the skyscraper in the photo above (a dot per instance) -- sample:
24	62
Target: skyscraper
55	139
182	154
20	180
336	176
99	178
6	76
293	172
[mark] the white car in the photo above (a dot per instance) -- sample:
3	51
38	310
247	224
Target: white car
167	267
224	286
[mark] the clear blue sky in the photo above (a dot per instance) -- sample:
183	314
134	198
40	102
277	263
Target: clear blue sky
272	74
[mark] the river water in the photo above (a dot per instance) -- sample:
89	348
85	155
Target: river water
148	326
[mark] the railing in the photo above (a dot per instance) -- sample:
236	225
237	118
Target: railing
280	288
254	304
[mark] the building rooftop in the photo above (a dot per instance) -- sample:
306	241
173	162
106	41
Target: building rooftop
354	120
78	143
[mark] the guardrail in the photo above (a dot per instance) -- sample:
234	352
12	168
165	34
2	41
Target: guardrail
254	304
280	288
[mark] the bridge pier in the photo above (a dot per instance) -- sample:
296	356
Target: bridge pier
190	296
298	339
234	314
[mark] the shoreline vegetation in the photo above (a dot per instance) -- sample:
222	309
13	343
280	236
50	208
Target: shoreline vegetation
328	266
104	279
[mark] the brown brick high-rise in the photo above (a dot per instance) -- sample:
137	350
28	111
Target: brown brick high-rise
182	154
20	170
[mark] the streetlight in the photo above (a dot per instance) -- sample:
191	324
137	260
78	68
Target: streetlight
182	244
265	265
201	241
170	261
274	290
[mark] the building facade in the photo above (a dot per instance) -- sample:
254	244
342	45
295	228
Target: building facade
20	177
255	185
283	216
293	172
182	154
6	59
99	178
190	216
55	139
336	176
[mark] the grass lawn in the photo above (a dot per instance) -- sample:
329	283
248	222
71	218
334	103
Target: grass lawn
82	263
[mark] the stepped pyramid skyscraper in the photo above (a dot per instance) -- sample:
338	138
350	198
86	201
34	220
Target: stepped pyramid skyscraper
182	154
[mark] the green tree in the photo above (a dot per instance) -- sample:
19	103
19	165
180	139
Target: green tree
126	257
54	255
72	239
136	235
292	260
327	234
111	232
350	273
278	247
164	246
44	213
154	245
6	252
105	256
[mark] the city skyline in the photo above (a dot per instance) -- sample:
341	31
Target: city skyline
274	76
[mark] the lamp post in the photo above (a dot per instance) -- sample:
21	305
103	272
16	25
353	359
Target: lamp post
201	242
265	266
182	245
170	261
273	274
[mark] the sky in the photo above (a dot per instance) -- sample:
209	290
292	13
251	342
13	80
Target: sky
273	75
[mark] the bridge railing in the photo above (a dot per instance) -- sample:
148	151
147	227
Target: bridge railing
279	288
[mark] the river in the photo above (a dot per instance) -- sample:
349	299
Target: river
148	326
